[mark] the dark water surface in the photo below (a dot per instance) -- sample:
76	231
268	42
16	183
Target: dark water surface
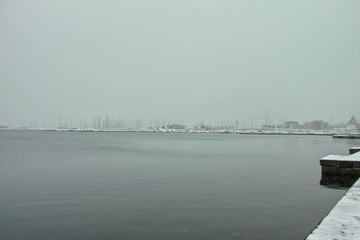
73	185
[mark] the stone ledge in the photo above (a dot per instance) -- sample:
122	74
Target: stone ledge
341	171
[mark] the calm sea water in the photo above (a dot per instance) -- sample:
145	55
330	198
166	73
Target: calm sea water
70	185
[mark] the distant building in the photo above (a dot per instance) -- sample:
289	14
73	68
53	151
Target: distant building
314	125
308	125
291	125
176	126
352	123
318	125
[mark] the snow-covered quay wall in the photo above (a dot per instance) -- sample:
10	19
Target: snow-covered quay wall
343	221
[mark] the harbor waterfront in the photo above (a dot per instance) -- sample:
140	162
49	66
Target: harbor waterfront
135	185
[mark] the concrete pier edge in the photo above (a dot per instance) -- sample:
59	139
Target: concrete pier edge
343	221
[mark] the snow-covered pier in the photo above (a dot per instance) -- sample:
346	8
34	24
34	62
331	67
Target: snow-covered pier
342	165
343	221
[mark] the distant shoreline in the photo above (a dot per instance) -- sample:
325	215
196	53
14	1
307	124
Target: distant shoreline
335	134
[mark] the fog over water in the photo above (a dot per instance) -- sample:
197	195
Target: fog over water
179	60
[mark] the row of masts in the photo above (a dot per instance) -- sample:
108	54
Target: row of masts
109	122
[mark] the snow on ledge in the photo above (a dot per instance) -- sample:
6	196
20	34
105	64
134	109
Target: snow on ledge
352	157
343	221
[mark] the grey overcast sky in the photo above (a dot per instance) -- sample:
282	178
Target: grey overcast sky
179	60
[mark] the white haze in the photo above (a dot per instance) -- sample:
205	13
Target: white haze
179	60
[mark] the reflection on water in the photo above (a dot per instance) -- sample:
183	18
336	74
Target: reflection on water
337	181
